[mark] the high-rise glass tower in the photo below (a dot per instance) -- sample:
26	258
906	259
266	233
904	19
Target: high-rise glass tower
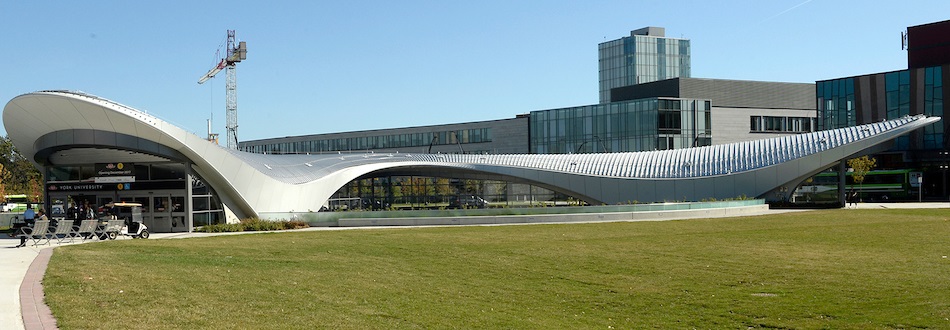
646	55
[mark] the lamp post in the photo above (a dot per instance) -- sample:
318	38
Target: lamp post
696	139
943	168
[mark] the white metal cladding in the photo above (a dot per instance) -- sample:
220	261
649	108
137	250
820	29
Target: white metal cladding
256	184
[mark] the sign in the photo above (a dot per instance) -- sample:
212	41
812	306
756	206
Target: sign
916	178
115	169
86	186
114	179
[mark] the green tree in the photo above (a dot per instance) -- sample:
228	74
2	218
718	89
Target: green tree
397	188
19	176
3	190
35	191
472	186
444	189
861	166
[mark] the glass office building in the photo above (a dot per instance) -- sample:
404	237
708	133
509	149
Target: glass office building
856	100
637	125
645	56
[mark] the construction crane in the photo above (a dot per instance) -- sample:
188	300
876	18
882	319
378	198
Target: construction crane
235	54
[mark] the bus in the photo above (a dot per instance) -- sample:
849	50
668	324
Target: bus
15	203
879	185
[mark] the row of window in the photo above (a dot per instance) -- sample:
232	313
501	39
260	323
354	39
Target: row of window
620	127
643	45
437	192
640	59
780	124
933	106
142	172
837	105
475	135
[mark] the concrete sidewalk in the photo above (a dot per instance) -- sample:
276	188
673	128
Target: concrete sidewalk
22	307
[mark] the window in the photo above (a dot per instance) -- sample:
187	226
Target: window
780	124
669	122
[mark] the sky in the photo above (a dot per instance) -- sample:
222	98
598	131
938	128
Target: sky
335	66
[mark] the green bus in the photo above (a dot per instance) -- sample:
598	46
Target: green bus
15	203
878	185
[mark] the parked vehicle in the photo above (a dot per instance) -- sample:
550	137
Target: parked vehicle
131	216
467	201
14	203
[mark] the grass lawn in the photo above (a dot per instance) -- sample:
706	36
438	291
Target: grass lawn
838	269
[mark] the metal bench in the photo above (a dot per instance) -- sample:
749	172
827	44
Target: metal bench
86	230
61	231
37	233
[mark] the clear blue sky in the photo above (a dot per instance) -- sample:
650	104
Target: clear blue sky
323	67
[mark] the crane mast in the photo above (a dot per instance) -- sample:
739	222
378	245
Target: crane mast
234	55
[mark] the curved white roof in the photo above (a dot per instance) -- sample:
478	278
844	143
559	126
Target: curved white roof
45	123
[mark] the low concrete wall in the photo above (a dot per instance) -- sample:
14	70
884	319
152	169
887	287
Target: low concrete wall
558	218
6	218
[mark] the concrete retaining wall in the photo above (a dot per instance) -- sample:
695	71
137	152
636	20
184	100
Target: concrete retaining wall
558	218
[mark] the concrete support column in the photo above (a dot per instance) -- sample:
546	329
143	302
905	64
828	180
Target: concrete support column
842	189
189	213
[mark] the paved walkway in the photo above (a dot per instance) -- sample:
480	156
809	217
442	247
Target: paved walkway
23	307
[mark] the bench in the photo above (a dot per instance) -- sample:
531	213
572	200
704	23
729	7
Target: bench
86	230
63	228
37	233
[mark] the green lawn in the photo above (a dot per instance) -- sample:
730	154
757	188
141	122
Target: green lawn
837	269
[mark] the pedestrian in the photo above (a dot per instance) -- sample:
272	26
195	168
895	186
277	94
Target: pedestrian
41	215
29	215
72	213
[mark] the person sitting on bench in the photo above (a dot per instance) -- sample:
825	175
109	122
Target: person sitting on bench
37	216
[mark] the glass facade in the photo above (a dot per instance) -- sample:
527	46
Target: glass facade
773	124
638	125
933	106
640	59
837	106
475	135
424	192
159	187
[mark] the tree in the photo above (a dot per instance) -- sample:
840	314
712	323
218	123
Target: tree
35	189
861	166
443	188
3	177
19	176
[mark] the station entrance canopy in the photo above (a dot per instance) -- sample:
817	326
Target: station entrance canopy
58	127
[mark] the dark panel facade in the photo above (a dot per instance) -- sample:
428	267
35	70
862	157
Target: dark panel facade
928	45
662	88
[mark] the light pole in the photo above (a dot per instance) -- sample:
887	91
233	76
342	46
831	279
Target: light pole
696	139
943	168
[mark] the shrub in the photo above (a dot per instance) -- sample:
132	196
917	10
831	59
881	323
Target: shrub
253	224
